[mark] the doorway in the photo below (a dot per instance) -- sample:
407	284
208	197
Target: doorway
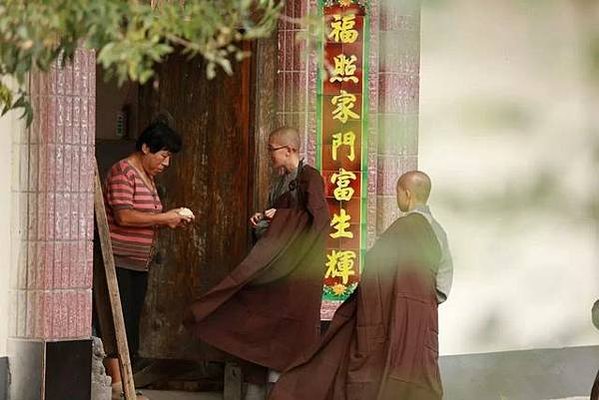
213	175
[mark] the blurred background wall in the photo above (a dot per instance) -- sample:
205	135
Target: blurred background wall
508	133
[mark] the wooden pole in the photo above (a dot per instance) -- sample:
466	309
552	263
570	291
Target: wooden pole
113	291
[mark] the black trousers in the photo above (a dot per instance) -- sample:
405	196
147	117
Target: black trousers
133	286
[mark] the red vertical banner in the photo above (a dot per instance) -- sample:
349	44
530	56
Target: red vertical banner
342	107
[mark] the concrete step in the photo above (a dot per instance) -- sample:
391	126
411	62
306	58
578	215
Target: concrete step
169	395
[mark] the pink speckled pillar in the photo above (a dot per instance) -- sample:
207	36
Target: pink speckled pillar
399	83
297	80
394	83
393	87
373	121
297	75
49	345
55	188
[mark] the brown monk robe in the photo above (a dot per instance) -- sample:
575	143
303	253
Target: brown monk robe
267	310
595	316
595	390
382	342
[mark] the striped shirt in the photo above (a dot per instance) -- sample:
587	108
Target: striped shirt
125	189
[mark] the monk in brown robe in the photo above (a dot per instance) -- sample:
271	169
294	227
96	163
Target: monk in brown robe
382	342
595	316
267	310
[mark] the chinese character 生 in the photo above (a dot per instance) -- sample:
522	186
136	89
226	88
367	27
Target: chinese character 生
340	223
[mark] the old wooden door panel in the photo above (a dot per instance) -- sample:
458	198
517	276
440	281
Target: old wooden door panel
211	176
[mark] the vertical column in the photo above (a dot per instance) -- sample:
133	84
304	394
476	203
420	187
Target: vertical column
399	83
393	96
344	95
265	74
296	84
373	121
393	71
53	277
11	129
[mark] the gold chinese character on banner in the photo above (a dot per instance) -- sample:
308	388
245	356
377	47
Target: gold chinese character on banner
342	29
345	139
340	223
345	102
345	69
340	264
343	179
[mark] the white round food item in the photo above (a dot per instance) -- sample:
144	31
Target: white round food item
186	212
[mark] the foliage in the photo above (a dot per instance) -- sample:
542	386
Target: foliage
130	37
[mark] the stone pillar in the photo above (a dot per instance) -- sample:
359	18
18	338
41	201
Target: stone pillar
49	336
374	8
394	84
264	79
10	127
297	76
399	84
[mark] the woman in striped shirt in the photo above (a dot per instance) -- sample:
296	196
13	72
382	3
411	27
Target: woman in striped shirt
135	213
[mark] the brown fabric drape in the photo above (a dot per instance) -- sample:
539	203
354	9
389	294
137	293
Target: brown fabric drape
267	310
382	343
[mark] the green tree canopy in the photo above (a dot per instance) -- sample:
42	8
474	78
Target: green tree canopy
130	37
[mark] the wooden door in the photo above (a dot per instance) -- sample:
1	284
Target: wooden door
213	177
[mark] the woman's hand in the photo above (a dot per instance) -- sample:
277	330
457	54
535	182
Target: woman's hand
187	214
174	219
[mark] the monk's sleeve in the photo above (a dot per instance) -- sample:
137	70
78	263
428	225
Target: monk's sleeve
316	203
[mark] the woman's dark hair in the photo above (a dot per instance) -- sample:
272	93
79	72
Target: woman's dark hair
159	136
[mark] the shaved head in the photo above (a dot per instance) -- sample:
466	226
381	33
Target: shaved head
417	183
286	136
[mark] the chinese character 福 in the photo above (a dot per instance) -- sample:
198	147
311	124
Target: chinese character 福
343	29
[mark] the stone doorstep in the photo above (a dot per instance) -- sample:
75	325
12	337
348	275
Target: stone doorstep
171	395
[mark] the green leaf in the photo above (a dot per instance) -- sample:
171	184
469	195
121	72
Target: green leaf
129	37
